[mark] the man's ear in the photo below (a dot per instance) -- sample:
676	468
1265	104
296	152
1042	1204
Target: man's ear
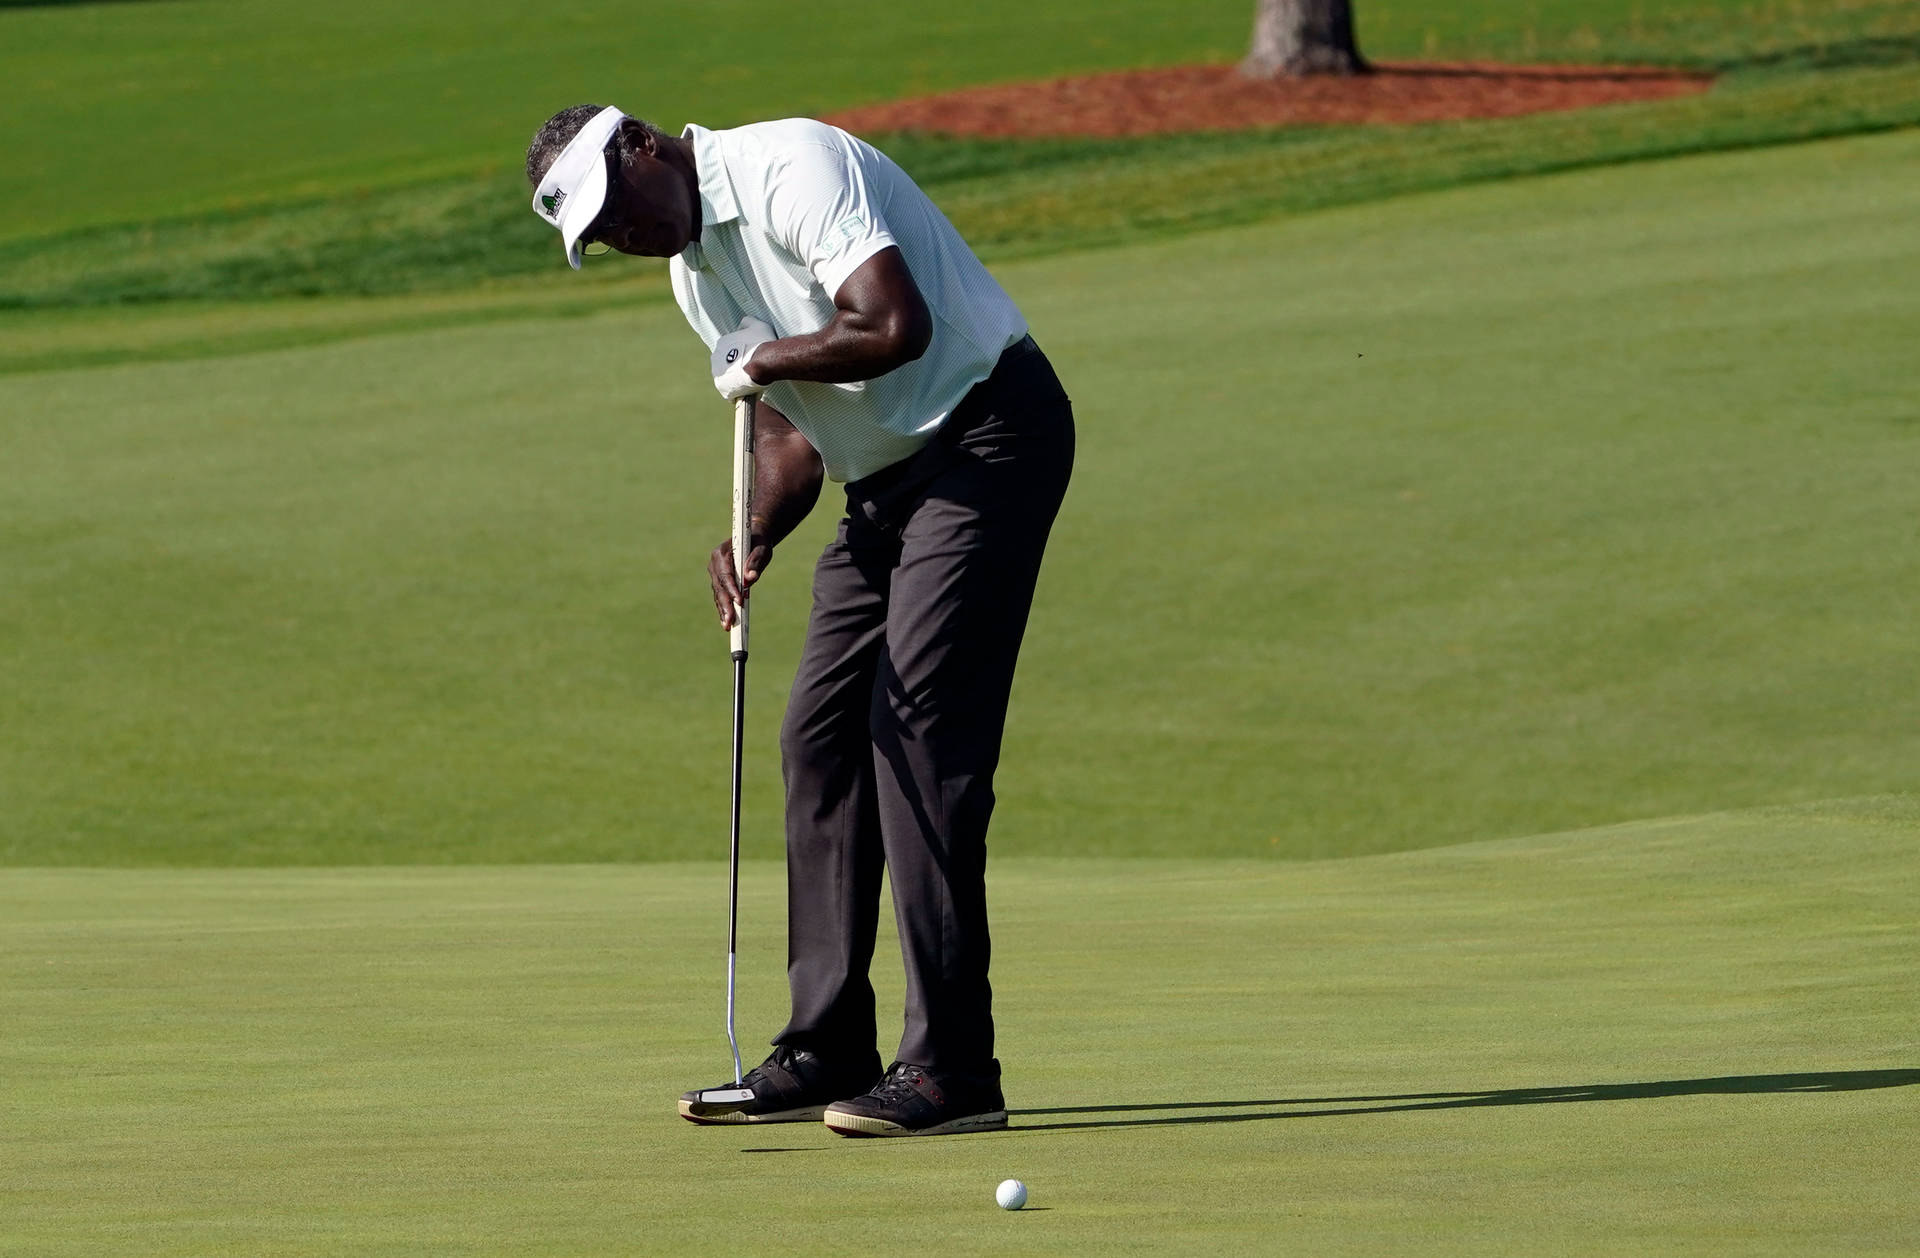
639	139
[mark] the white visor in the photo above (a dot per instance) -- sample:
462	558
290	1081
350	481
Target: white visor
575	186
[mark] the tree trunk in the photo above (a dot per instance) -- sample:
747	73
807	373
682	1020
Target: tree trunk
1303	37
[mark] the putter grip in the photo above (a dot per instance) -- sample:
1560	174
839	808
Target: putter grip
742	513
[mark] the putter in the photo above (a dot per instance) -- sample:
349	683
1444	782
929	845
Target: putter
737	639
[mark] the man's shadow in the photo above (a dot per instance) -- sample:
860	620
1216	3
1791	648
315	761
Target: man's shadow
1163	1115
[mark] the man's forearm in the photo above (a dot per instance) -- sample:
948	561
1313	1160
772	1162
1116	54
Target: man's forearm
786	484
787	472
880	322
849	348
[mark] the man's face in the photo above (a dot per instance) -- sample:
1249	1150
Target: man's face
649	211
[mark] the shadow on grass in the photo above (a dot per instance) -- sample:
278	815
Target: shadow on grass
1505	72
1845	54
1332	1106
788	1149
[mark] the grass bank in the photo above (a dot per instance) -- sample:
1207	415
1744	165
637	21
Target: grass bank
1009	198
121	113
404	181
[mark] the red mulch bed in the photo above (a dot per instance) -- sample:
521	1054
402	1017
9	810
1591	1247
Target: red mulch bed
1216	98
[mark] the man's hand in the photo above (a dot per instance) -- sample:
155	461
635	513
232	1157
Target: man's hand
728	587
730	355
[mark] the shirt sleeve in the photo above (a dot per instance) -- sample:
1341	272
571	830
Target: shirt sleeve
709	308
820	209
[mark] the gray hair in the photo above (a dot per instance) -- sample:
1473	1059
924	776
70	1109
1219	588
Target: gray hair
557	131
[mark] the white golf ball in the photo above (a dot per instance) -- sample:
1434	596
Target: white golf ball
1012	1194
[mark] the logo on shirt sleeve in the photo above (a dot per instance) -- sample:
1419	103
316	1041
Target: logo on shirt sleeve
842	234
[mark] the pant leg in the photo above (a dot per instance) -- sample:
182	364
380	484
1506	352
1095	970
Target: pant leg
834	855
969	559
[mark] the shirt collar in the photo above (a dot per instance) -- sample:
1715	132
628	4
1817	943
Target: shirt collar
717	201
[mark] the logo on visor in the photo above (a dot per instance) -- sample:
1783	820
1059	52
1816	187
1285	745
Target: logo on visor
733	353
553	203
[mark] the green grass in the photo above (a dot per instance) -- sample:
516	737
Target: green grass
62	337
1010	199
1110	197
195	104
1685	1036
200	104
340	528
1525	507
404	174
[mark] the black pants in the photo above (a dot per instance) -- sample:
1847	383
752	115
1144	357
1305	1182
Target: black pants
892	733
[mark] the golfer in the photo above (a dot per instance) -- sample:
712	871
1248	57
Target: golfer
886	357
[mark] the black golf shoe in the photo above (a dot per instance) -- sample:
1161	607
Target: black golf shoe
913	1102
792	1086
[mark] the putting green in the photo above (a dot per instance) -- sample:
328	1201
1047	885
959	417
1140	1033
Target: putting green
1500	511
1673	1037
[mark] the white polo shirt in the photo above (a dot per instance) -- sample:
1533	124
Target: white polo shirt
790	209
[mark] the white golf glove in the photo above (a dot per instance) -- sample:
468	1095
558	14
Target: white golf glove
730	354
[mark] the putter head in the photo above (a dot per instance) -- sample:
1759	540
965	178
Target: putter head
725	1096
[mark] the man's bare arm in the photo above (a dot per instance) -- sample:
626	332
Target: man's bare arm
786	483
880	322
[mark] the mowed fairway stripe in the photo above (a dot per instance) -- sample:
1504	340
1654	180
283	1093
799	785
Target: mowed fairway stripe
1672	1037
1500	511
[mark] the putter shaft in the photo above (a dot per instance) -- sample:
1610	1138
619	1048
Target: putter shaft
737	640
733	858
